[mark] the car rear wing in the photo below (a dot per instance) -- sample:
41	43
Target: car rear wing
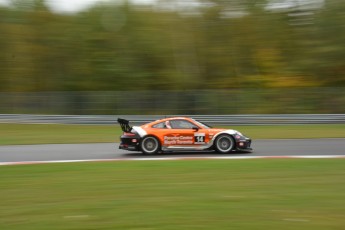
124	125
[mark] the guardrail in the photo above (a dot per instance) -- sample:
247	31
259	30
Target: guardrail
303	100
265	119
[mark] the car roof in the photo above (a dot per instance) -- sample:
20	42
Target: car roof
169	119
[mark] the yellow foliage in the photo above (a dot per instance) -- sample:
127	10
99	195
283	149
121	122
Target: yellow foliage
288	81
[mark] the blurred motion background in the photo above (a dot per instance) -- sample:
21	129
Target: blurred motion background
172	56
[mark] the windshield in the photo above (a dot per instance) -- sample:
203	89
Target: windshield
203	125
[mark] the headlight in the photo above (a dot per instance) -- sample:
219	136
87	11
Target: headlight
238	133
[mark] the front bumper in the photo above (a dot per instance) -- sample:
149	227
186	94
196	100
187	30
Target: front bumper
244	144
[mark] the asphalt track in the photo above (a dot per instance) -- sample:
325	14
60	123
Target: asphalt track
109	151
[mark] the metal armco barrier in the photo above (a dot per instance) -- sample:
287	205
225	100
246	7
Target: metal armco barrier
277	119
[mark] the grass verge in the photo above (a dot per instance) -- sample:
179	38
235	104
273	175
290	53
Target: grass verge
239	194
12	134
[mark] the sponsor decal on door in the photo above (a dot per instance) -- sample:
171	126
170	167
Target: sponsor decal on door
176	139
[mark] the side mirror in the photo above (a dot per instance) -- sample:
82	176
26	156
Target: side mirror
195	128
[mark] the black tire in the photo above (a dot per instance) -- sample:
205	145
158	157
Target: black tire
224	143
150	145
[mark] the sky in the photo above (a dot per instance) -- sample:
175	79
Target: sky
72	6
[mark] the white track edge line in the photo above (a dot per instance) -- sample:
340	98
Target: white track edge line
174	158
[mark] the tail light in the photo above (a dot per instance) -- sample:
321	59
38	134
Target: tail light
129	134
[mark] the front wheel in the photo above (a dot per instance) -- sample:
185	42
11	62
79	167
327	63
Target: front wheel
224	144
150	145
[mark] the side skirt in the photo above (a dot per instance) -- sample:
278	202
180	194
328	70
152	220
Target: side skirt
185	148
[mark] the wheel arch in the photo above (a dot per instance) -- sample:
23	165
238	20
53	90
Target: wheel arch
229	132
151	135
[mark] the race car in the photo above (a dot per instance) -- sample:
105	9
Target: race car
180	134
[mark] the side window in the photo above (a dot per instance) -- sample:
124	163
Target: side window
181	124
159	125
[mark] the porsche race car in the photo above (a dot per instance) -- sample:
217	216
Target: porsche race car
180	134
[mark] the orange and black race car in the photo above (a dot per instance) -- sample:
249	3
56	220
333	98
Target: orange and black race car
180	134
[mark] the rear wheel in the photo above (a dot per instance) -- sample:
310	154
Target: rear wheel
224	143
150	145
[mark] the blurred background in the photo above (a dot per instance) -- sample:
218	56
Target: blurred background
172	56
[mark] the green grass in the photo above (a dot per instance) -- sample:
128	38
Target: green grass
293	131
11	134
234	194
